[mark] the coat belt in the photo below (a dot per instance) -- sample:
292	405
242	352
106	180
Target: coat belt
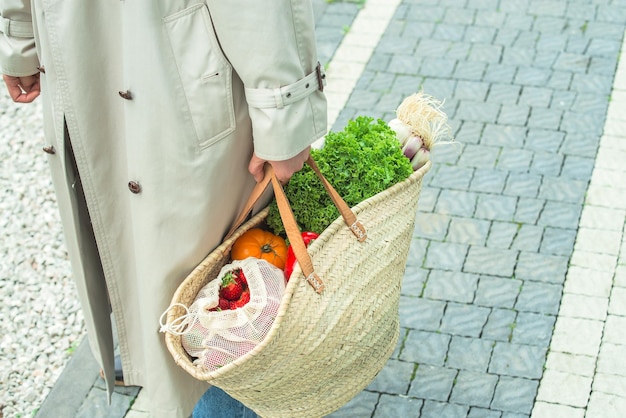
16	28
286	95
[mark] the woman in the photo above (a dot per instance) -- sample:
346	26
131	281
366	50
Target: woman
159	117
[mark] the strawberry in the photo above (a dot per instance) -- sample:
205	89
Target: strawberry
230	288
240	278
223	305
245	298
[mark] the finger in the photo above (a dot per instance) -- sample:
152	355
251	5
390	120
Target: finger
256	168
29	82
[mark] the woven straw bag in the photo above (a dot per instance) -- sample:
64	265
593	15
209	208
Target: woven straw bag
338	321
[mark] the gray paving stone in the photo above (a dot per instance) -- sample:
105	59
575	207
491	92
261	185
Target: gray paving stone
578	168
446	155
528	210
431	226
469	354
527	39
560	215
449	31
518	56
478	111
424	13
590	103
563	189
445	256
497	292
464	320
401	337
582	122
506	36
531	76
514	415
501	235
478	34
428	197
543	298
467	231
580	145
432	409
541	267
421	314
545	118
460	52
512	114
500	73
517	360
437	67
503	136
451	286
443	89
470	132
490	261
406	84
394	378
560	80
487	13
500	324
452	177
558	241
528	238
523	184
459	203
425	348
432	48
434	383
507	94
547	140
488	180
474	389
547	163
413	281
536	96
488	53
479	156
471	90
572	62
495	207
403	64
361	405
96	405
594	83
515	395
515	160
533	329
552	42
398	406
483	413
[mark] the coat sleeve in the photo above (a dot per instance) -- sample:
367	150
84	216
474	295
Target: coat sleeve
18	55
271	45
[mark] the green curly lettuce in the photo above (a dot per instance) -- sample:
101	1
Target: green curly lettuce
360	161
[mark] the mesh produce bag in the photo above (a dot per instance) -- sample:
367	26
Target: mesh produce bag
217	337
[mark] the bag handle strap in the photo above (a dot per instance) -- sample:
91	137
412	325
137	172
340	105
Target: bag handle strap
289	220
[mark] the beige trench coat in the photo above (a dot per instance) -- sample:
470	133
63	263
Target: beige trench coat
164	102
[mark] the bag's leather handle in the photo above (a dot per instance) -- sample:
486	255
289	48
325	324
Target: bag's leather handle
289	221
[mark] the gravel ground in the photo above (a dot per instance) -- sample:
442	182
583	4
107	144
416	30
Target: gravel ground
40	314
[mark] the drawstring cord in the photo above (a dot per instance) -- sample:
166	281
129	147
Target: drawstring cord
181	325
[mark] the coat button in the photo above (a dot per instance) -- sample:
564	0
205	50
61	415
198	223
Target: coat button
49	149
126	95
134	187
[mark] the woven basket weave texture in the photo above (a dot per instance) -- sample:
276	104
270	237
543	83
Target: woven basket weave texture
323	349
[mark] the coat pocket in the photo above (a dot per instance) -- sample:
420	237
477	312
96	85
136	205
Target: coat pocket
205	73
